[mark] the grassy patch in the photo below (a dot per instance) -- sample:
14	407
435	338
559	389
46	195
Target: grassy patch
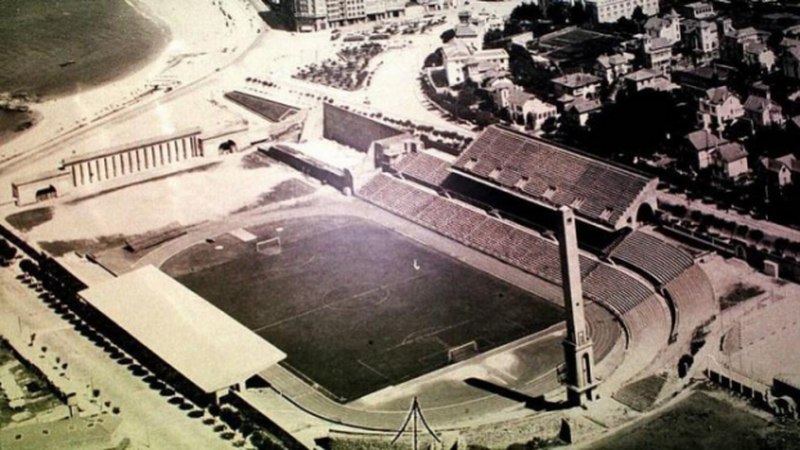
285	190
641	395
358	307
61	248
703	422
739	293
255	160
30	219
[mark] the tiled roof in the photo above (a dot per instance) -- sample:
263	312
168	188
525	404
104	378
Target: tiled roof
703	140
757	103
732	151
576	80
582	105
552	175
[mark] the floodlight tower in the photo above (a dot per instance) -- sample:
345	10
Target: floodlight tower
578	348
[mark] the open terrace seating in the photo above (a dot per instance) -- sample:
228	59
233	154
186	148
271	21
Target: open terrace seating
692	295
621	292
652	257
424	168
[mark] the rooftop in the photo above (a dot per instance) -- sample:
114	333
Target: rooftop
732	151
136	144
168	319
576	80
704	140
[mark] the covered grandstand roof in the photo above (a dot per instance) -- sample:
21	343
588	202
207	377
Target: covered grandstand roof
554	176
194	337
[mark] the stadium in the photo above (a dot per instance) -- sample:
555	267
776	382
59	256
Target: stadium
434	277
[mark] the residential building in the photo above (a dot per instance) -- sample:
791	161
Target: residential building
657	54
581	109
609	11
702	39
648	79
763	111
611	67
577	85
698	10
498	90
700	79
733	41
527	110
459	57
719	107
312	15
757	54
730	161
667	27
704	150
781	171
698	146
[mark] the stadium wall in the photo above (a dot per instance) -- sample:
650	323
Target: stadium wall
354	130
341	179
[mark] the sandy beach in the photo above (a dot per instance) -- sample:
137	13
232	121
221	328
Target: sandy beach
215	34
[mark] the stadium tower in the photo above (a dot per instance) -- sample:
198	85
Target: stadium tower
578	350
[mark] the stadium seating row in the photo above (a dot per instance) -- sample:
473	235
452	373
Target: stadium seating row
693	296
423	167
501	240
596	189
652	257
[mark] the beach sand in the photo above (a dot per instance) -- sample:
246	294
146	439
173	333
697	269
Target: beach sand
204	37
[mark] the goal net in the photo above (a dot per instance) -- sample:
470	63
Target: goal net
462	352
270	246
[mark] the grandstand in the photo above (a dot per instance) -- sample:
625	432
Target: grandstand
601	194
268	109
692	298
502	240
423	168
652	257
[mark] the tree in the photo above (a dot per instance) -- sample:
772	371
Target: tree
578	14
550	125
526	12
638	16
558	13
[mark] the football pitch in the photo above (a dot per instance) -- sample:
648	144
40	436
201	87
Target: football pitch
355	306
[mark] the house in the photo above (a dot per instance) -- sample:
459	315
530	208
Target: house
498	89
667	27
700	79
757	54
702	39
698	146
648	79
698	10
790	62
733	41
730	161
781	171
611	67
467	34
703	150
457	57
525	109
581	109
763	111
657	54
718	107
577	85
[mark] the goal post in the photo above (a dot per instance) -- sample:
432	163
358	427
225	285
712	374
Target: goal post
271	246
462	352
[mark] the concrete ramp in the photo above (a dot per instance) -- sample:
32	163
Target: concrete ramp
313	126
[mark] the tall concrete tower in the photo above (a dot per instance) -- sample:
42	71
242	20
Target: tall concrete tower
578	351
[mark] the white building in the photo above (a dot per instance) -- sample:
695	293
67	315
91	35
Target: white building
458	57
609	11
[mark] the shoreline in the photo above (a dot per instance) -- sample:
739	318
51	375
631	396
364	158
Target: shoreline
212	38
161	41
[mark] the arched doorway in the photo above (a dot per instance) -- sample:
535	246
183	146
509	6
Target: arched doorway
46	193
645	214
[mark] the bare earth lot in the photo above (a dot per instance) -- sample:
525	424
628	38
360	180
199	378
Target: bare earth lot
346	302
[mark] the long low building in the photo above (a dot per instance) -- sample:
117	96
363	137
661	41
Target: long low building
196	339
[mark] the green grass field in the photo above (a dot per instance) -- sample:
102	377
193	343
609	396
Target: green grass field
346	303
